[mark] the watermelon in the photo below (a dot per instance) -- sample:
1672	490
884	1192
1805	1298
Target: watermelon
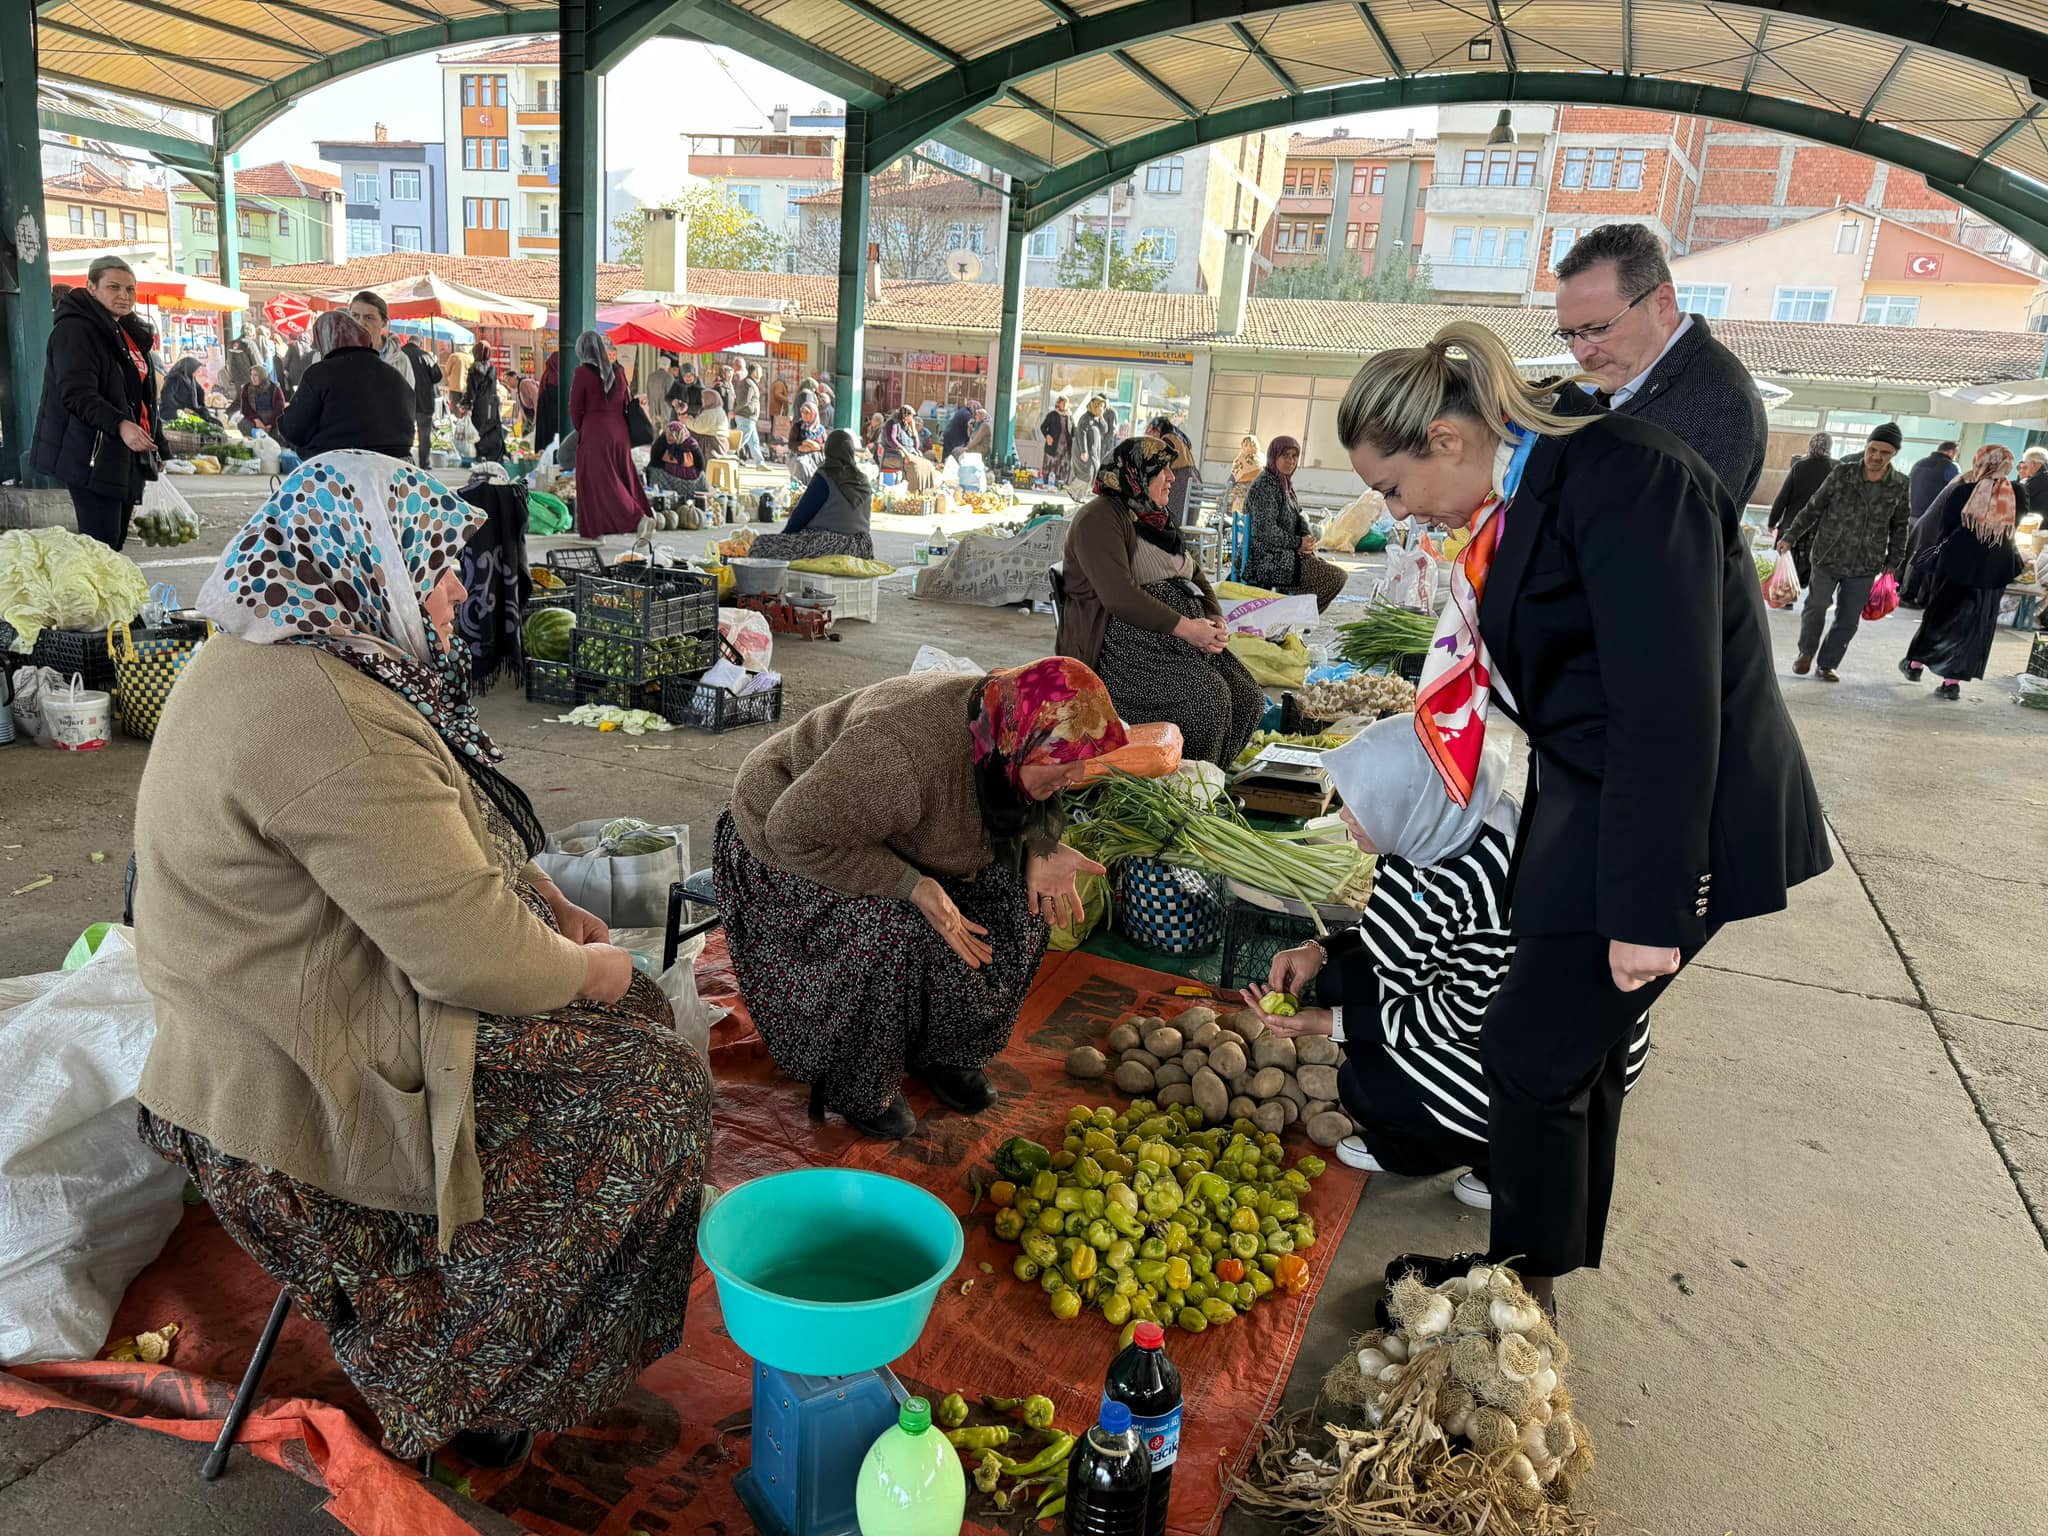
546	633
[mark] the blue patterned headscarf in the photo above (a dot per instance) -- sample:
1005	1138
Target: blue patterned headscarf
342	557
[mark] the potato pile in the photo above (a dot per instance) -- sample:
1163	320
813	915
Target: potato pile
1229	1066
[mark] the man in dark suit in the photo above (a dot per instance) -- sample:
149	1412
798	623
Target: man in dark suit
1929	476
1618	312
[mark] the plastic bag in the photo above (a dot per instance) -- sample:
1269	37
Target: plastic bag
546	515
88	1206
622	890
843	565
1884	597
1094	893
1781	587
1410	581
1152	752
931	659
694	1017
1343	532
1277	664
748	633
31	686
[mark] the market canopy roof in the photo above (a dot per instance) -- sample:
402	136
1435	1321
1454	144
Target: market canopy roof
1072	94
430	294
155	284
682	328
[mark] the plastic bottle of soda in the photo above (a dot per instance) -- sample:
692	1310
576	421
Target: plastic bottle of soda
1108	1477
910	1481
1145	1381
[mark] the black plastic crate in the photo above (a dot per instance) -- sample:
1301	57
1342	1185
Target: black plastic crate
705	707
628	660
596	690
549	682
576	557
66	651
2037	658
1252	937
647	601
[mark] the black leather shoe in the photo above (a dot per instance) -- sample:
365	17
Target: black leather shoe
1432	1270
493	1449
892	1124
964	1090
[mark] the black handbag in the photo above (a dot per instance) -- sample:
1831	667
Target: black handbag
639	430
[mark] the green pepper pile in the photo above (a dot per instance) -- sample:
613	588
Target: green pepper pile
1039	1479
634	661
1144	1216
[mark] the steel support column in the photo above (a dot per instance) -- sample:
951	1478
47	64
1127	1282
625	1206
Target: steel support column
1010	336
228	234
581	204
24	304
848	376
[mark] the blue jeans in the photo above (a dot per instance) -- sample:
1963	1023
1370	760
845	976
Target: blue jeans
750	440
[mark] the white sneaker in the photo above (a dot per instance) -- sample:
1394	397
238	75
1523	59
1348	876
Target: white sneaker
1351	1153
1470	1190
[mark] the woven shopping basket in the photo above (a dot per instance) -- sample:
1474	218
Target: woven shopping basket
145	667
1167	908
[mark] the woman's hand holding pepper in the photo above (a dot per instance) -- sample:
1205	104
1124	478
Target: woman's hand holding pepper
1051	878
1293	969
967	940
1309	1021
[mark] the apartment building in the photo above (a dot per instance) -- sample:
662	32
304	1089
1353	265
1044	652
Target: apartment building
1485	206
502	131
395	193
769	172
1184	205
1354	204
91	208
1618	165
286	213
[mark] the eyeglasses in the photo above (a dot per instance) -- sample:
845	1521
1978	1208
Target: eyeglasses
1598	332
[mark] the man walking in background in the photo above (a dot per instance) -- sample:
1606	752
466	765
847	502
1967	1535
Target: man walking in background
1929	476
1857	521
746	412
426	383
1618	312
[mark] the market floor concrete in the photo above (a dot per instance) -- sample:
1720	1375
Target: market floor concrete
1826	1262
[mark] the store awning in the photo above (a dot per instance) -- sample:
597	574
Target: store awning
430	294
2012	401
155	284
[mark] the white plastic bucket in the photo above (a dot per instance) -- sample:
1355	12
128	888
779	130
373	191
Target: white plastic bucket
80	719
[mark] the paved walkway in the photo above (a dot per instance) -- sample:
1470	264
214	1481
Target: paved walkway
1820	1313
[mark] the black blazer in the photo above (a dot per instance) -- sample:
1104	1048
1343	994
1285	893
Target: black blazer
1700	392
351	398
90	387
1669	792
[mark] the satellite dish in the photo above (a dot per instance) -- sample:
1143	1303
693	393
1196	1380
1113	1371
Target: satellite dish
963	266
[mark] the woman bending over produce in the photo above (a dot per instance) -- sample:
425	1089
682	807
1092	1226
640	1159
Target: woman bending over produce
1411	982
416	1084
889	871
1140	612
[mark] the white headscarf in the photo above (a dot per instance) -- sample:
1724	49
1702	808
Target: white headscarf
1388	782
590	348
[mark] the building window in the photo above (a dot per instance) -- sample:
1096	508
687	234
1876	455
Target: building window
406	237
1379	180
77	220
497	85
1574	172
1461	245
1350	237
1561	242
469	154
956	236
1848	237
1707	300
1803	304
469	90
504	154
1500	168
1164	176
1489	247
202	265
129	228
99	223
202	220
1165	245
405	186
284	222
1879	309
1629	175
1475	168
363	187
1043	242
540	96
1514	248
748	198
242	224
1525	167
1289	181
363	237
1369	238
1361	178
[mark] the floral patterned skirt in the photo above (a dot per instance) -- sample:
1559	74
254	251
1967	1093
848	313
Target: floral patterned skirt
850	991
1152	677
593	1126
813	544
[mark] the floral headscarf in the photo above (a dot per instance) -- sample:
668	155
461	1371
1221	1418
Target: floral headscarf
1820	446
1126	473
1990	512
342	557
1053	711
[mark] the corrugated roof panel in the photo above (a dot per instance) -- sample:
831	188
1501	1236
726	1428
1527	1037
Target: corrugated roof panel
2026	152
1963	106
1103	87
62	56
2028	13
1207	67
1687	42
1032	134
1564	35
1430	35
850	36
971	30
1828	66
1121	127
1329	45
187	39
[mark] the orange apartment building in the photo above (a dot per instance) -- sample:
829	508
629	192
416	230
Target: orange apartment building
1353	203
502	125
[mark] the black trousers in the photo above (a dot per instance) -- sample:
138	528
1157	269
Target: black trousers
1555	1051
102	517
424	420
1387	1104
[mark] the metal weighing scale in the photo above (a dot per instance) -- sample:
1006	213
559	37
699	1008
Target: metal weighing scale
823	1390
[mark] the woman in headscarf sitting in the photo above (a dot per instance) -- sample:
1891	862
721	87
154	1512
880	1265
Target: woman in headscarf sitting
806	444
415	1083
350	398
831	517
262	400
889	873
1137	608
676	462
1279	549
1244	469
1972	557
609	495
903	451
182	393
1187	475
1404	990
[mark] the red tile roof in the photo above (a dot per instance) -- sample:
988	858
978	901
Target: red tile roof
516	277
372	144
283	179
1357	147
91	185
544	50
933	191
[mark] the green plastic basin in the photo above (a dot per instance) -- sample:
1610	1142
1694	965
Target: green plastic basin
828	1271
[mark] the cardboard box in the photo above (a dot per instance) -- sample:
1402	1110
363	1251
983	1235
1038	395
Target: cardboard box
1284	781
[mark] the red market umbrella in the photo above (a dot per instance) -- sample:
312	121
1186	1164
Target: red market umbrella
430	294
289	314
687	328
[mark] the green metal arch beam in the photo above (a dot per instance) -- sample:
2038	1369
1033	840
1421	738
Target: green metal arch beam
170	149
2014	202
926	109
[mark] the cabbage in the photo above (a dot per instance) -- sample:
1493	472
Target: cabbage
52	578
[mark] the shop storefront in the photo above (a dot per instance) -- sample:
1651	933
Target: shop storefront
1140	383
933	384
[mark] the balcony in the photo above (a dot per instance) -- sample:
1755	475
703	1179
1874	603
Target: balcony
1304	202
540	176
533	232
1495	280
537	114
1452	197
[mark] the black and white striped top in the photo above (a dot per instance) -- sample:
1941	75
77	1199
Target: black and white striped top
1440	947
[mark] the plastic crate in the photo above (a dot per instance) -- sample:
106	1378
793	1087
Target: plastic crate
576	557
690	701
596	690
853	597
550	682
650	606
2037	658
622	658
64	651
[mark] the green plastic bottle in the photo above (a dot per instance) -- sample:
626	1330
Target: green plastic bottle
911	1483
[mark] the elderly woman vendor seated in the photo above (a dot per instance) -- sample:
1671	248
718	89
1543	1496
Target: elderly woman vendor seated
414	1081
1410	983
889	873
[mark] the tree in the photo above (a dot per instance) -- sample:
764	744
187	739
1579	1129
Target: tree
1130	266
1319	280
914	240
1401	285
723	235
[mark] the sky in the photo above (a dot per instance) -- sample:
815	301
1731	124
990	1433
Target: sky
727	91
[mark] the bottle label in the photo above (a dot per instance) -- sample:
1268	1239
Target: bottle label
1160	1437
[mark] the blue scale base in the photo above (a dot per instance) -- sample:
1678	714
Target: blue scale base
810	1435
